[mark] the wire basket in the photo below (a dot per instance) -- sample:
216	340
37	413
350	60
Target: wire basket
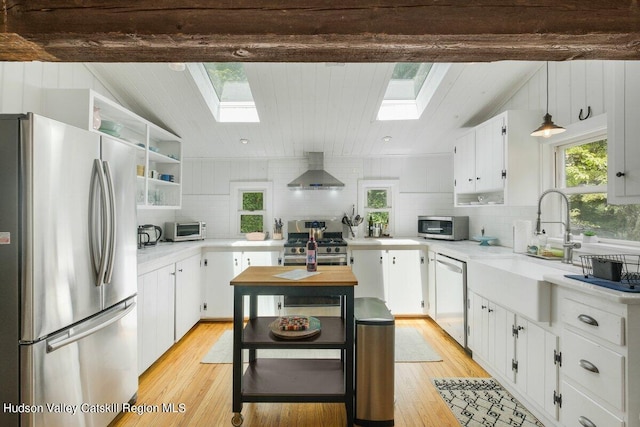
624	268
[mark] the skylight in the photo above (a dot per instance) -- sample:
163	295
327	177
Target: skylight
234	101
410	90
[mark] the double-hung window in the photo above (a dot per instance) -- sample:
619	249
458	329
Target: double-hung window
250	206
581	173
378	199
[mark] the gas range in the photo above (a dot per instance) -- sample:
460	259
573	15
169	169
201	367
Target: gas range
332	248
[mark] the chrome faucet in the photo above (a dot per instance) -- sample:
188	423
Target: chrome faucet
567	245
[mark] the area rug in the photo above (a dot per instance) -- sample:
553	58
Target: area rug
410	346
483	402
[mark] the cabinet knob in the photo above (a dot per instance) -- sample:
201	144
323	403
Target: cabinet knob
380	260
394	260
477	178
180	270
491	310
619	174
483	307
470	179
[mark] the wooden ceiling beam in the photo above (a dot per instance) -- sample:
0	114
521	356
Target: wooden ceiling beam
317	30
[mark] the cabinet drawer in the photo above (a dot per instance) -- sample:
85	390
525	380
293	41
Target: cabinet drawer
597	369
579	410
599	323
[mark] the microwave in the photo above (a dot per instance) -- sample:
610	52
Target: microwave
182	231
443	227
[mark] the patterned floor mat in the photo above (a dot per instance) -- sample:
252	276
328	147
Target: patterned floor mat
483	402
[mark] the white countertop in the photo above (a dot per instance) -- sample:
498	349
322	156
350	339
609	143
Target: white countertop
152	257
164	253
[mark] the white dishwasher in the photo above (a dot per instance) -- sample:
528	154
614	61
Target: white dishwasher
451	294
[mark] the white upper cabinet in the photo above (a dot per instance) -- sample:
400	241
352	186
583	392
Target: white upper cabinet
623	129
497	162
587	89
159	151
464	163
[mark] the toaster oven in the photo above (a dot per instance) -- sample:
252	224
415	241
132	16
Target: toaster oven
183	231
443	227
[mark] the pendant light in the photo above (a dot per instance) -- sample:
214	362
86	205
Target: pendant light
547	128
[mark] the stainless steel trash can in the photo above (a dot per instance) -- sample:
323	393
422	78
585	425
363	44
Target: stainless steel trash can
375	358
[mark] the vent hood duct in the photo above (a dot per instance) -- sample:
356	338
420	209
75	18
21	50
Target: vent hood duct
316	178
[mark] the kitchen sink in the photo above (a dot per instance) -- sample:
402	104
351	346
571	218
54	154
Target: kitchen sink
517	283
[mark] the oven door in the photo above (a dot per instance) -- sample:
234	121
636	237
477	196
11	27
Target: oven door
435	228
314	301
188	230
323	259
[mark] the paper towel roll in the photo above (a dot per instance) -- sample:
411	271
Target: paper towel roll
521	235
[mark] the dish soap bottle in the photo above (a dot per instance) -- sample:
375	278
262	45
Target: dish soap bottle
312	246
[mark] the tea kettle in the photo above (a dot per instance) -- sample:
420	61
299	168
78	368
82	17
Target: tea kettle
148	235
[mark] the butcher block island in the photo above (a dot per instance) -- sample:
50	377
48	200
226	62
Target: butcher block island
289	379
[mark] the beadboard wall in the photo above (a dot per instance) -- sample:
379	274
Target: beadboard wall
425	186
573	86
425	182
21	85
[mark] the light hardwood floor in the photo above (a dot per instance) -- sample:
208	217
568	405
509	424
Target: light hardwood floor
178	377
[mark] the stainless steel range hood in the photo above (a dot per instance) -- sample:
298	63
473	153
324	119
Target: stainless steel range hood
316	178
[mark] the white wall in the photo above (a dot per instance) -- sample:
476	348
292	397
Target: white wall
426	185
573	86
21	91
425	182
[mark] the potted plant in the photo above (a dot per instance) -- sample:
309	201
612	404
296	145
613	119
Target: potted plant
589	236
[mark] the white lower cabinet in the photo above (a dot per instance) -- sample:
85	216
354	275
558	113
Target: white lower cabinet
600	374
396	276
489	332
168	306
156	297
220	268
518	351
369	266
188	294
580	410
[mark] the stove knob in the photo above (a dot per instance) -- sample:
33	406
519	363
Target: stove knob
328	250
337	250
301	251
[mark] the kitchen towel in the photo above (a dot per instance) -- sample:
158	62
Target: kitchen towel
521	235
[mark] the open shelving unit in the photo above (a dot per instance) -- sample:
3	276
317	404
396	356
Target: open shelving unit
158	149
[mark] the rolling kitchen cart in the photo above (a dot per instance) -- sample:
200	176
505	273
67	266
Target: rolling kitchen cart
293	380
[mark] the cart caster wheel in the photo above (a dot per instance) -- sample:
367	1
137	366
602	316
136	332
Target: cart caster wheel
237	419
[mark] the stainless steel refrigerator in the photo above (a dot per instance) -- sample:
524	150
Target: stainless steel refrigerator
67	274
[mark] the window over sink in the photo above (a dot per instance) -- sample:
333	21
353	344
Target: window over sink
581	172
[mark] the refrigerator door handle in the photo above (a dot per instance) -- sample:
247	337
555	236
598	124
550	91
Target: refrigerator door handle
112	220
99	259
90	327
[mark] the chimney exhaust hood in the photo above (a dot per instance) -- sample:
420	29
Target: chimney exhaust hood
316	178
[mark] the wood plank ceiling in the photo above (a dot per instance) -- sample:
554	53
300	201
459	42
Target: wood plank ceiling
318	30
312	107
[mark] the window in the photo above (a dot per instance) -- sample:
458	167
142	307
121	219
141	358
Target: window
252	211
410	89
377	203
250	207
226	90
582	175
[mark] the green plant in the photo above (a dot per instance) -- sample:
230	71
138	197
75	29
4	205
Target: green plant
589	233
